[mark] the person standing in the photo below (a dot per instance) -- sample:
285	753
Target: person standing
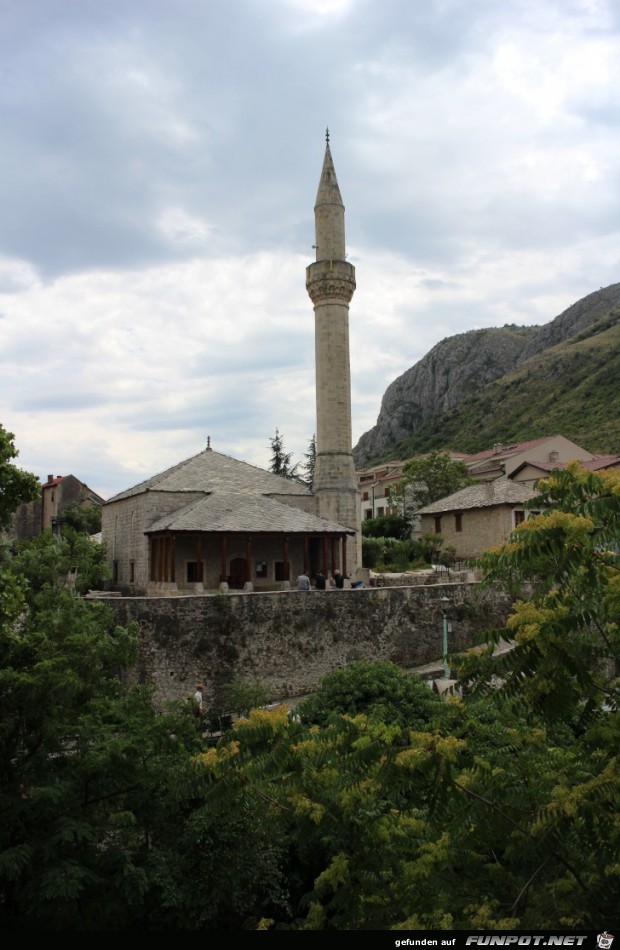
303	582
198	697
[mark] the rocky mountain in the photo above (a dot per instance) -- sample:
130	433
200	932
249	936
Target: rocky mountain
478	387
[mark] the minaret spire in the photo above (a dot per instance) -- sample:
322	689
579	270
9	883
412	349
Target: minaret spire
330	283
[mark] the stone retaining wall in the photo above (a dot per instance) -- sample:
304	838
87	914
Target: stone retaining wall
289	640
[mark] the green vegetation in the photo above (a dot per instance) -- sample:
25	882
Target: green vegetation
84	517
16	486
427	479
392	554
572	389
376	806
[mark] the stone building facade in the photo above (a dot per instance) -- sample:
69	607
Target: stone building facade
478	517
58	493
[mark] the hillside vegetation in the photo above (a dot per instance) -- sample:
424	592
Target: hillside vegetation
572	390
509	384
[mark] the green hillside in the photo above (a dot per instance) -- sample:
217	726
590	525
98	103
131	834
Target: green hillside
572	389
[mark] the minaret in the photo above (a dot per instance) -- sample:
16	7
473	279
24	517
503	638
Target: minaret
330	283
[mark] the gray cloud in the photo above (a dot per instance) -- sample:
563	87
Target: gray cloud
158	171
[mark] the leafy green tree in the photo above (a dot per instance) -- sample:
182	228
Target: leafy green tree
72	560
565	565
82	516
386	526
105	825
427	479
382	691
280	463
16	485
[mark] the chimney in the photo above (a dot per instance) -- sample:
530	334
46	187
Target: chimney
50	479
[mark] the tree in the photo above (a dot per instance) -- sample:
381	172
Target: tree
16	485
310	456
84	517
104	820
386	526
280	463
427	479
563	567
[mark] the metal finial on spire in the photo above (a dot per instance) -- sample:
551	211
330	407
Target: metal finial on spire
327	136
208	441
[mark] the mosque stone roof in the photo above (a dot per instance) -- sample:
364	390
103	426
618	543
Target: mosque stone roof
231	512
210	472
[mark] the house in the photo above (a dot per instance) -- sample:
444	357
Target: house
58	493
477	517
213	522
374	484
374	487
505	459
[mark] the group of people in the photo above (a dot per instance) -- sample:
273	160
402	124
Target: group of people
336	580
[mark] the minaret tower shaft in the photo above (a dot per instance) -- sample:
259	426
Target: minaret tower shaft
330	282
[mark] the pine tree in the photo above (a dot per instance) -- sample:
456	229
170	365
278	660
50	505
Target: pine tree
280	459
310	456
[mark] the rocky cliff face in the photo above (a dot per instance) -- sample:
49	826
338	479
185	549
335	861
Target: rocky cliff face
461	365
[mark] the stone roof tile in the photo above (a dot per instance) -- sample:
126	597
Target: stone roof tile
230	512
501	491
211	471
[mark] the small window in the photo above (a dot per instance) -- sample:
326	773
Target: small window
260	569
381	512
458	521
365	496
437	524
280	574
519	517
368	513
132	572
115	572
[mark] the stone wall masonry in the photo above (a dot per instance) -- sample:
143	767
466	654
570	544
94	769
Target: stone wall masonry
288	641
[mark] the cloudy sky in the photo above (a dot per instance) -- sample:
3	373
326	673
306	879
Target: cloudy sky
159	161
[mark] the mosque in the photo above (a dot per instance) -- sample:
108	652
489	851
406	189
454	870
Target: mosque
213	522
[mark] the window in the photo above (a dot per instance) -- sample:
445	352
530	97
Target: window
368	513
519	517
132	572
458	521
260	569
437	524
194	572
381	512
279	571
115	572
365	496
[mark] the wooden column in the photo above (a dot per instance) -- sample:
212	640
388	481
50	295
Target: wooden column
224	561
160	560
344	555
248	560
306	554
199	576
285	568
334	563
173	558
